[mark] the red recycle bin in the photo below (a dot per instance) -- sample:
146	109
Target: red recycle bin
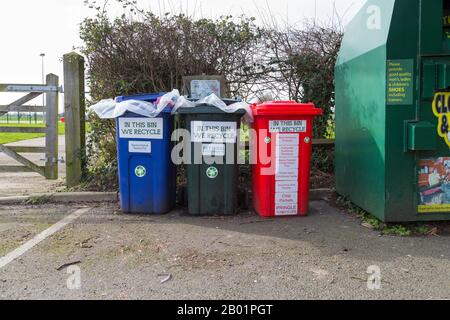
282	152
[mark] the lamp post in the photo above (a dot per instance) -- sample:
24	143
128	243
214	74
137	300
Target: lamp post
43	76
315	12
42	55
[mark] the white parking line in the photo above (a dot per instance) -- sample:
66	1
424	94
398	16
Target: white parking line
10	257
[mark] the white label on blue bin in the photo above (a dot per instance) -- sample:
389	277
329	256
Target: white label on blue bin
139	147
287	126
141	128
213	131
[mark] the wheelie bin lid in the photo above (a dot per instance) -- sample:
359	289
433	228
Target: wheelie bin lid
210	109
147	97
275	108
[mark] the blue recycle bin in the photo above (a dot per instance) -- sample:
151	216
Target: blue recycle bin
147	175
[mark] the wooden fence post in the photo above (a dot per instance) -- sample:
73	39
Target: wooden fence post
51	138
74	114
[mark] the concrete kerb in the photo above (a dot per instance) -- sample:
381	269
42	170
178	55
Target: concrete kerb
98	197
63	197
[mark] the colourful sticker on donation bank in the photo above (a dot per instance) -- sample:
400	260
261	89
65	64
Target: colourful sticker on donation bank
441	109
434	185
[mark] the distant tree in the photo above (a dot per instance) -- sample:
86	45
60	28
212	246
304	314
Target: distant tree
152	54
302	64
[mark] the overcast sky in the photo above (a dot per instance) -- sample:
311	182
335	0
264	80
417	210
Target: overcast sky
31	27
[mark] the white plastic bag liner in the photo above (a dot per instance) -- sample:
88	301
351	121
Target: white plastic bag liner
104	109
182	102
110	109
214	100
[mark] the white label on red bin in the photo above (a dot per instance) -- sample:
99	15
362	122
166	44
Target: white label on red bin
287	173
286	177
288	140
284	164
286	210
286	198
287	151
286	186
287	126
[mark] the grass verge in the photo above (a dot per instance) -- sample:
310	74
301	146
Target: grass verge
14	137
393	229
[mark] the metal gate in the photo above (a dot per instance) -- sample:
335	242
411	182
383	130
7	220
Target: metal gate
51	90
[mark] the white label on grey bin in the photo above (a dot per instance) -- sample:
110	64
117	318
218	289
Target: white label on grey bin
287	126
141	128
139	147
213	150
213	131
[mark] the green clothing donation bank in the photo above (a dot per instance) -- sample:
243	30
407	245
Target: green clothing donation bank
393	110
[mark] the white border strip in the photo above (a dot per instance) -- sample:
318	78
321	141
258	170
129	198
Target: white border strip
10	257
